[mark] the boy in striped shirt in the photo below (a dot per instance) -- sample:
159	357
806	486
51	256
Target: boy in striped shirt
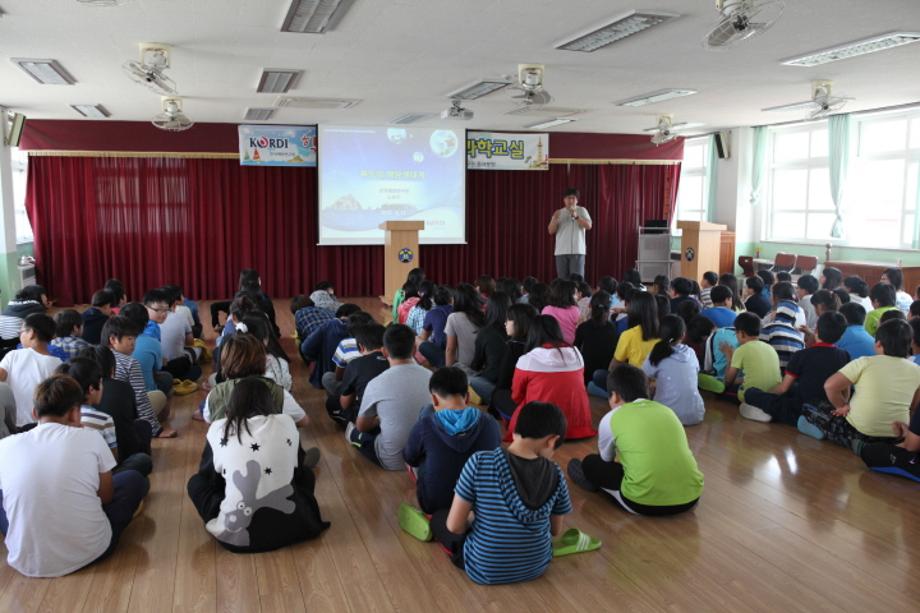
782	333
517	496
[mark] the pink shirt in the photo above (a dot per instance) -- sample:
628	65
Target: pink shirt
567	318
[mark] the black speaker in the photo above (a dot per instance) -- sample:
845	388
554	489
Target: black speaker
722	145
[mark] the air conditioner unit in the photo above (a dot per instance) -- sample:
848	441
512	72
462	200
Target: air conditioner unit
26	274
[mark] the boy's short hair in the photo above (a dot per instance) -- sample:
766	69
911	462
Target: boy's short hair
608	284
300	301
892	314
31	292
682	286
346	310
399	340
66	321
843	296
57	395
356	320
915	308
883	294
323	286
748	323
42	325
915	330
826	298
808	283
102	298
448	381
117	288
720	294
137	314
119	327
103	356
541	419
370	336
854	313
783	291
629	382
755	283
831	326
173	293
767	277
711	278
85	370
156	295
895	337
784	277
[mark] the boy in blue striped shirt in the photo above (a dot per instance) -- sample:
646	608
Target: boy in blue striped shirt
517	496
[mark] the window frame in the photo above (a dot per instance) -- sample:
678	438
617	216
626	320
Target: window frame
701	171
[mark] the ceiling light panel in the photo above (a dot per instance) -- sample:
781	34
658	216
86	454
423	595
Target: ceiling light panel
622	27
655	97
46	72
277	81
93	111
552	123
846	51
479	89
259	114
314	16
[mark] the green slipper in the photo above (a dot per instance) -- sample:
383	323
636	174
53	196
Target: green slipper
414	522
710	384
575	541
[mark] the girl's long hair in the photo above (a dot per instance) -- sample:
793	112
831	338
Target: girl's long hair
673	330
643	312
545	330
250	398
468	302
600	307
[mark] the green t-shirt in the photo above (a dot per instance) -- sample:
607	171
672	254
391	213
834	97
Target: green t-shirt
759	364
658	467
873	317
885	387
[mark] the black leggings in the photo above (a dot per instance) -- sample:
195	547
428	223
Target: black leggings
453	543
608	476
216	308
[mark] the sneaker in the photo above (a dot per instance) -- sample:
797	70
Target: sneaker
414	522
311	457
348	430
809	429
754	414
577	475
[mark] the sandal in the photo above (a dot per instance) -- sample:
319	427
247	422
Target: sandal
575	541
414	522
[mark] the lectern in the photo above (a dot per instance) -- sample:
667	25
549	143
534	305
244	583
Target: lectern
700	247
400	254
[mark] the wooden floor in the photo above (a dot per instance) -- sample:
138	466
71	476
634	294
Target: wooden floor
785	523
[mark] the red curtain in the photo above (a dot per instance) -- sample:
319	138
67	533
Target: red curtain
197	222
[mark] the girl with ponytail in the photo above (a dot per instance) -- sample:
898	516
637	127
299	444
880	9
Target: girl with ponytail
596	338
675	368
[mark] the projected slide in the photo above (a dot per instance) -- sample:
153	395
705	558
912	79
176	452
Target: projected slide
371	175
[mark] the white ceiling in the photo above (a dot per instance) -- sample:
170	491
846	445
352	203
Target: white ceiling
407	55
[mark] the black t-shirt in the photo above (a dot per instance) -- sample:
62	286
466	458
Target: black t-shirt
489	351
812	367
359	373
597	344
513	351
118	402
759	305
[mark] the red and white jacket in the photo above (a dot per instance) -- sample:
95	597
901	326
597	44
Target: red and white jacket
554	375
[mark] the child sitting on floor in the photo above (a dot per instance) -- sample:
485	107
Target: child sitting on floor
887	389
343	407
443	440
391	403
657	473
804	379
25	368
61	469
68	330
754	363
96	315
518	498
883	299
675	369
855	340
781	330
901	459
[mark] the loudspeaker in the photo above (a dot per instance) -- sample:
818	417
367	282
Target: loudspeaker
722	139
15	122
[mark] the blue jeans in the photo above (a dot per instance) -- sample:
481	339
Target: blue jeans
433	353
483	387
597	386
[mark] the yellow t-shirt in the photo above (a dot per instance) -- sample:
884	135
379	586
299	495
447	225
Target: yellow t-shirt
632	349
885	387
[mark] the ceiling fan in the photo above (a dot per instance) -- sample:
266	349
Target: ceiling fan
150	70
172	119
822	103
742	19
667	130
530	84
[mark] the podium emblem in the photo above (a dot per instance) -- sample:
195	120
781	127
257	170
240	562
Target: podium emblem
689	254
406	255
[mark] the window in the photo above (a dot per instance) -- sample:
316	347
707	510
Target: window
23	227
798	184
693	192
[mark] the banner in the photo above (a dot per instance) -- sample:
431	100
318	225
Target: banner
506	151
267	145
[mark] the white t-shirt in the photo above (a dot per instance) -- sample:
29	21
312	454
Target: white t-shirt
258	468
50	479
25	369
186	314
172	335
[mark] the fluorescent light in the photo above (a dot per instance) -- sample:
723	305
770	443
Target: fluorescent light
552	123
659	96
314	16
257	114
622	27
277	81
854	49
478	89
94	111
46	72
412	118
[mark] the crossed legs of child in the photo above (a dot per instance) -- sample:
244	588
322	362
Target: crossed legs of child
819	422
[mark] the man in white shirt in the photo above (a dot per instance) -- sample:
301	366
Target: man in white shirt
60	506
569	224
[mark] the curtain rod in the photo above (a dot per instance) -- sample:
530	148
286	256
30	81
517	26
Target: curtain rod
885	109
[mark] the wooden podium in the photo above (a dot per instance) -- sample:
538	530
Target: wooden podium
400	254
700	247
